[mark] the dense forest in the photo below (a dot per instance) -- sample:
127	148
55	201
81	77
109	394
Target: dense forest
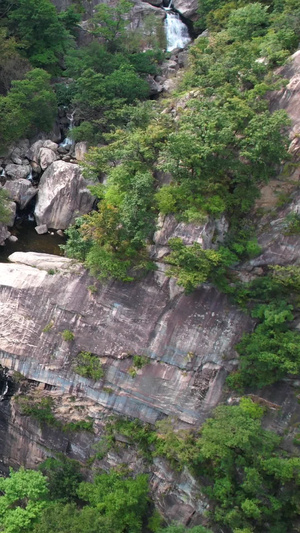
220	145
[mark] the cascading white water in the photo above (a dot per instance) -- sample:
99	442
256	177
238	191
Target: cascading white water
68	142
176	31
29	177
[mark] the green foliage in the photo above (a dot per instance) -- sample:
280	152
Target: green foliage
79	425
5	214
23	499
114	505
63	477
68	335
108	75
182	529
272	350
140	360
88	366
135	431
76	246
40	410
41	31
123	502
178	446
191	264
249	477
29	107
249	481
12	65
293	224
48	327
124	221
110	23
132	372
248	22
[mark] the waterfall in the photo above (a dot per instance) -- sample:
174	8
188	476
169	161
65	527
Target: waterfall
4	392
176	31
4	384
68	142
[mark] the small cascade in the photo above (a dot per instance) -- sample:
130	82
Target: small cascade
177	33
30	176
4	392
4	384
68	142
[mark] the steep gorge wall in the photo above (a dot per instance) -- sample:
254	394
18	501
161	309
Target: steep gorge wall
189	339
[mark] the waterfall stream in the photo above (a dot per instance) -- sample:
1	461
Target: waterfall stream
176	31
67	142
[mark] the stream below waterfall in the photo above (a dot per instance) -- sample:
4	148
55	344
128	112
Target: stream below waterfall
29	240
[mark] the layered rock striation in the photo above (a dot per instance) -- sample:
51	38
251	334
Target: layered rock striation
188	340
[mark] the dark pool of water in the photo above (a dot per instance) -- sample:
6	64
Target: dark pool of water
30	241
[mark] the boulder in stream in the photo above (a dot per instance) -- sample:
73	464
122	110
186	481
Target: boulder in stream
21	191
62	196
16	172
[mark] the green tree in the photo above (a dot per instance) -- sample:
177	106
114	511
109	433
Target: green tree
252	484
110	23
40	31
24	496
12	65
63	477
123	502
248	22
29	107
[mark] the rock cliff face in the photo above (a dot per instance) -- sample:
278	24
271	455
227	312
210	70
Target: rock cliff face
189	340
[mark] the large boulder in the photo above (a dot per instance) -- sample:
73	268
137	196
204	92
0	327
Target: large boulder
16	172
4	234
188	8
62	196
43	153
80	150
47	157
34	151
21	191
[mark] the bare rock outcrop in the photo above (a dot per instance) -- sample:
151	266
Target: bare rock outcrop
62	196
288	98
192	337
